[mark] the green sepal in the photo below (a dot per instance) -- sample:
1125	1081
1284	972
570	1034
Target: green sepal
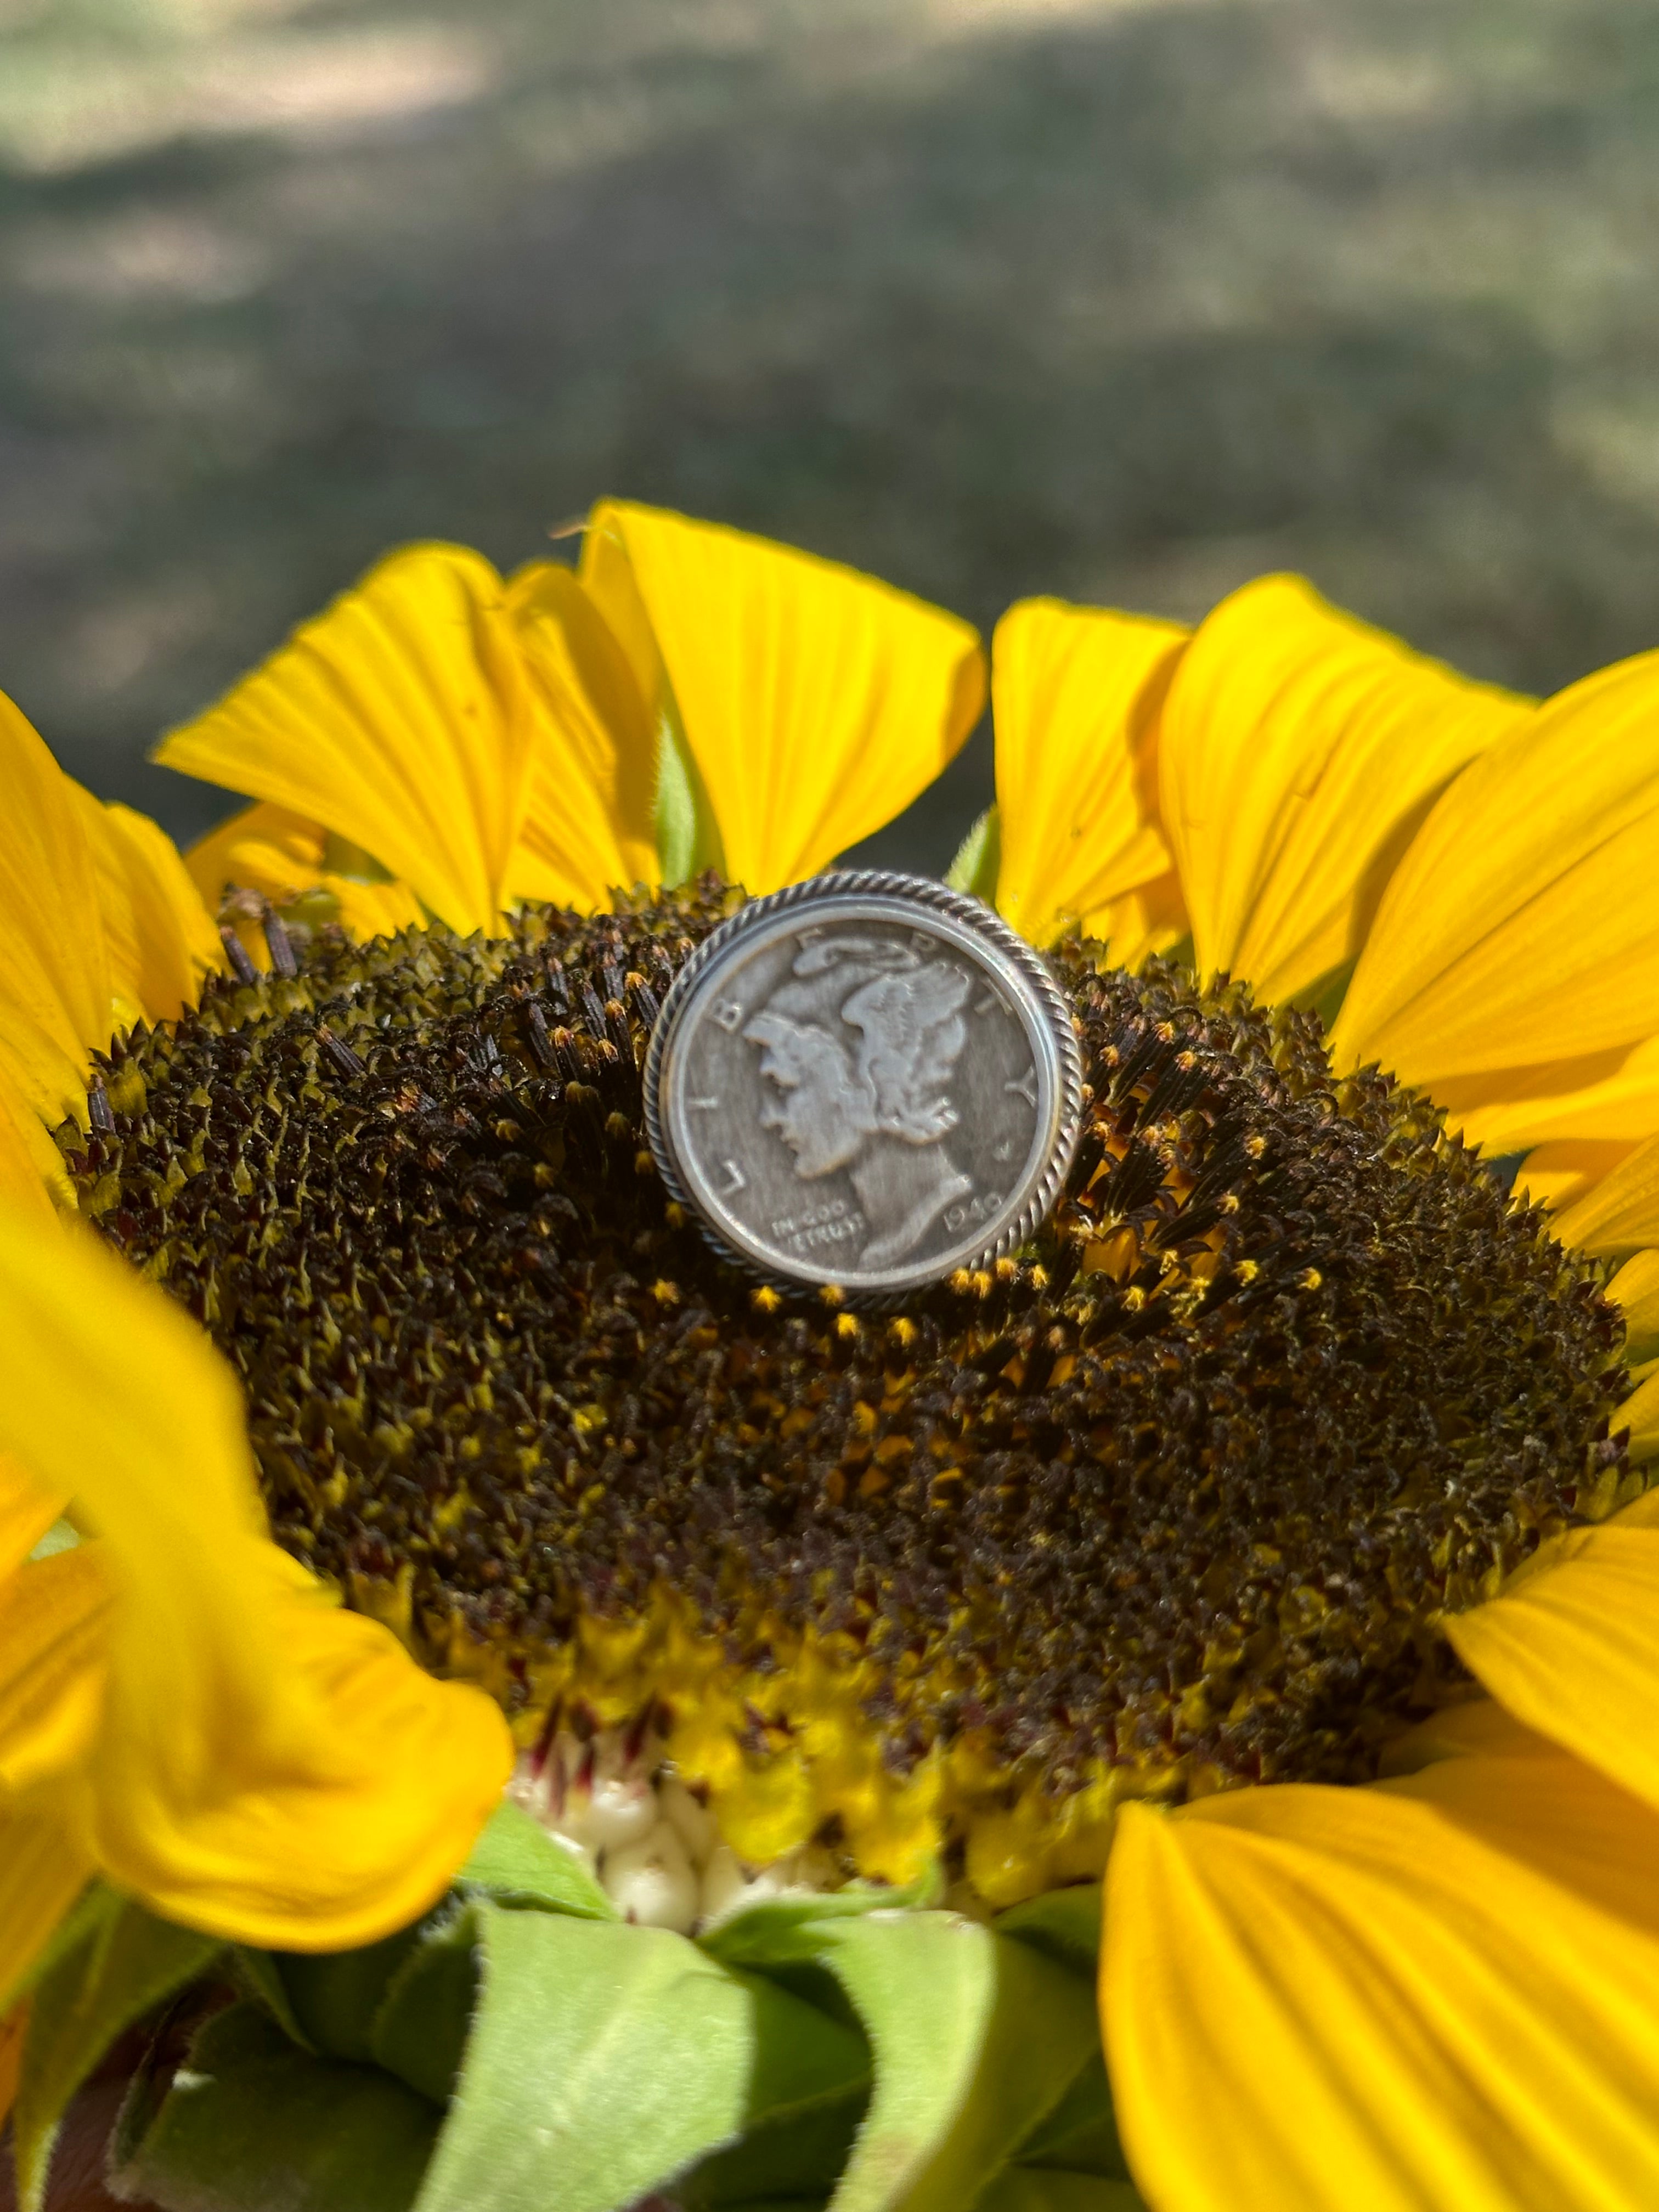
252	2123
111	1963
255	1974
978	862
1080	2135
688	835
795	2157
763	1933
782	2204
605	2059
335	1997
976	2039
1064	1925
421	2029
1029	2189
62	1536
516	1862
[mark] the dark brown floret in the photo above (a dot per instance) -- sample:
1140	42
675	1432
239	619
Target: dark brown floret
1186	1486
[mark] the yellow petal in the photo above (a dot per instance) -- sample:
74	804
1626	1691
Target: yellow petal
1636	1288
269	1767
52	1629
1558	1176
43	1869
1514	930
26	1512
31	1165
815	702
1480	1728
1300	750
55	991
1152	918
1621	1213
1640	1414
588	828
1601	1097
401	719
1077	693
1573	1652
161	939
1432	1997
1642	1512
297	865
290	846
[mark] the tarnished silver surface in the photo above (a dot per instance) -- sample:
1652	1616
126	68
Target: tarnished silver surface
866	1080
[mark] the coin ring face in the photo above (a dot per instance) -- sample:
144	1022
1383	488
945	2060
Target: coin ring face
866	1080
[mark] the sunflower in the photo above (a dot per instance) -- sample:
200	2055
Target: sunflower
1295	1451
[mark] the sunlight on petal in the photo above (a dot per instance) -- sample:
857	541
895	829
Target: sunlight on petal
52	1629
1636	1288
1300	751
401	719
1558	1176
1077	692
1640	1413
55	988
816	703
1505	938
1610	1097
1621	1213
1573	1652
1436	1996
30	1166
295	864
161	940
588	827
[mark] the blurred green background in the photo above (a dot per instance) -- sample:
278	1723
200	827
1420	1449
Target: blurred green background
1126	300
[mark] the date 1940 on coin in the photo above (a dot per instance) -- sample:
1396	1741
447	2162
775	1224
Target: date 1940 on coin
866	1080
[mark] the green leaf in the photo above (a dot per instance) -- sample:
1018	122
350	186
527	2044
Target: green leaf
255	1972
783	2204
605	2059
111	1963
688	836
1064	1925
764	1933
334	1996
516	1862
421	2029
793	2158
250	2124
1027	2189
978	858
976	2039
1081	2134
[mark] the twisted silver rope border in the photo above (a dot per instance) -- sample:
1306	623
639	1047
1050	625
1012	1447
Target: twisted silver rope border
974	914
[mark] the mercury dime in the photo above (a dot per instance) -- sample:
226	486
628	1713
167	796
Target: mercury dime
865	1080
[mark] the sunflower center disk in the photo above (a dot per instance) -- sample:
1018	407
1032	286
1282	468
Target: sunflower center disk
1173	1501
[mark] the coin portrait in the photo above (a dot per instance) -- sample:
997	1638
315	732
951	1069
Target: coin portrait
865	1086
